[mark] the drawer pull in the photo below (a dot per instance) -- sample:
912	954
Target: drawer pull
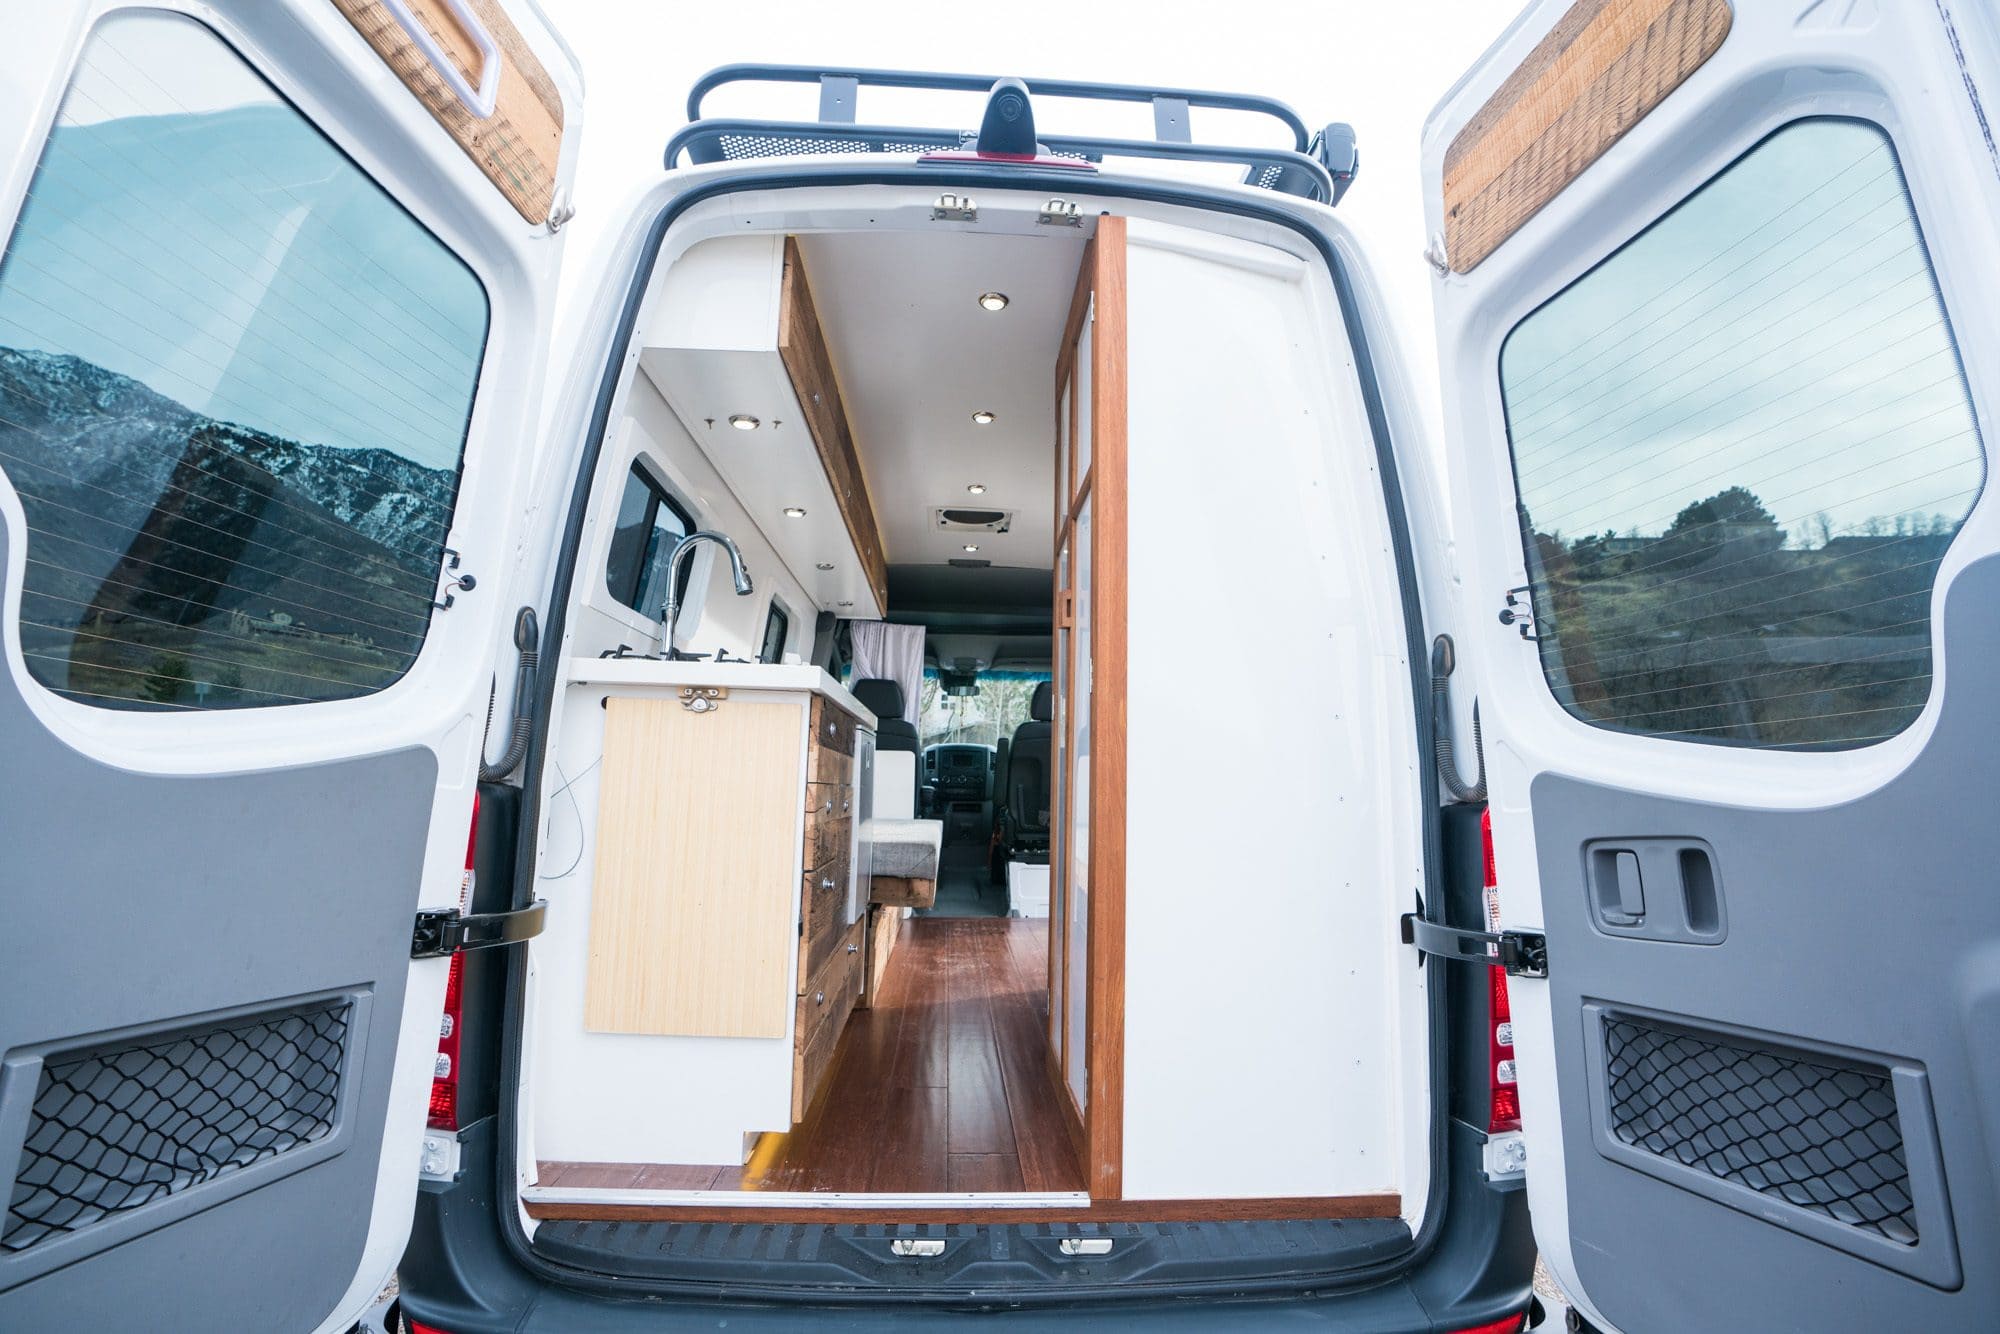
853	948
819	998
826	883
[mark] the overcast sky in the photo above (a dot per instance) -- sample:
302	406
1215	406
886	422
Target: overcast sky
1378	65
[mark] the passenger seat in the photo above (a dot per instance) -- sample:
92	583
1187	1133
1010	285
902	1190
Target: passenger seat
1028	780
884	698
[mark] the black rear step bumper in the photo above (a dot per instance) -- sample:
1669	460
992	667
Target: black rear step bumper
460	1277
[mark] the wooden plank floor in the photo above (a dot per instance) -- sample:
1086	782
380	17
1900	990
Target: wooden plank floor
944	1086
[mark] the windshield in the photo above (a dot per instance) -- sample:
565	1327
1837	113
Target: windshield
982	719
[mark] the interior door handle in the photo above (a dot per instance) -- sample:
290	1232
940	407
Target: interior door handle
1655	888
479	101
1629	888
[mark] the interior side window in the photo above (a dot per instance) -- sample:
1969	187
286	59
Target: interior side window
1742	445
777	628
650	522
235	378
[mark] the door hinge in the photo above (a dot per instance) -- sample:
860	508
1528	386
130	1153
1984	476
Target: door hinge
1521	953
440	932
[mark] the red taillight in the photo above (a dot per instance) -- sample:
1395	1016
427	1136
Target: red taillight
444	1078
419	1327
1505	1103
1510	1324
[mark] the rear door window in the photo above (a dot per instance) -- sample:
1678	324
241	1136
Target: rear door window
1743	444
235	383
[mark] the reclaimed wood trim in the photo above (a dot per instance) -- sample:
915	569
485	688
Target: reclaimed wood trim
901	891
519	147
1601	69
1104	1168
1079	1137
1276	1209
695	889
808	364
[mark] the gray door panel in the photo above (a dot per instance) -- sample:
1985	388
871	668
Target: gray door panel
1841	1032
201	980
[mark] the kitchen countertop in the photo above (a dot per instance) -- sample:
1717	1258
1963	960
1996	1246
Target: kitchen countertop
730	675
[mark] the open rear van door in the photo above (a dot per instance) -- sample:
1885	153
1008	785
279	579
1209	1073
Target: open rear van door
1720	330
273	314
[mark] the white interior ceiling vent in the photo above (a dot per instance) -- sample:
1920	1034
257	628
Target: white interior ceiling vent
972	519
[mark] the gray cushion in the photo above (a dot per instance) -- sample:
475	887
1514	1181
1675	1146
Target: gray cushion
907	848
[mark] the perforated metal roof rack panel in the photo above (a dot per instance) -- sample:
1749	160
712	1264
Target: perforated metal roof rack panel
1319	166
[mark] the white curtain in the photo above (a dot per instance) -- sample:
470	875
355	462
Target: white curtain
891	653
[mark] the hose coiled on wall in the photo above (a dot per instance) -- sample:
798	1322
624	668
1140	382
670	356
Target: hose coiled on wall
527	642
1443	660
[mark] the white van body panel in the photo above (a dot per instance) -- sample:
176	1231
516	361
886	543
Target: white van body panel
1921	73
318	62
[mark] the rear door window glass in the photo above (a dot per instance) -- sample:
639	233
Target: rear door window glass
1743	444
235	381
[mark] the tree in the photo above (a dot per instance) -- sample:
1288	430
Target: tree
1730	507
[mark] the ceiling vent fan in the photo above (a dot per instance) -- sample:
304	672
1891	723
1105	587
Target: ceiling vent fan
969	519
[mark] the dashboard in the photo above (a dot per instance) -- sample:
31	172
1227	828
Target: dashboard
959	772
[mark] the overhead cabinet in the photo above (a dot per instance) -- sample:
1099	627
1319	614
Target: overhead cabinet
739	353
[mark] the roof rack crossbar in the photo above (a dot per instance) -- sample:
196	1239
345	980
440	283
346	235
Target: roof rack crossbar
980	83
707	141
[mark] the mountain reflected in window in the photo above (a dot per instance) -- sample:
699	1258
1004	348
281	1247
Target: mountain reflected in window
235	378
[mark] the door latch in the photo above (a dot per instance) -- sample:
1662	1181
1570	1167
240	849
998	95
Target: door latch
441	932
1521	953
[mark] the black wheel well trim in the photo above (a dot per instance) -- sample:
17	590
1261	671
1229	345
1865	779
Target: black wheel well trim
506	1200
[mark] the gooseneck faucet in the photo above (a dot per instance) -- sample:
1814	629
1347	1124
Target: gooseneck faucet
674	560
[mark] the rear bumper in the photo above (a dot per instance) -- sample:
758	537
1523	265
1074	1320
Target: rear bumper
459	1276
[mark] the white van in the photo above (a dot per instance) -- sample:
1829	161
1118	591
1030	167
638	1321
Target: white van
939	768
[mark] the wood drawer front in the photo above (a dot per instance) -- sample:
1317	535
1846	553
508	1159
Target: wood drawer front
824	901
830	767
823	1013
833	727
829	822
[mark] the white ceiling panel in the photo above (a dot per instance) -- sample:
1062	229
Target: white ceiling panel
917	356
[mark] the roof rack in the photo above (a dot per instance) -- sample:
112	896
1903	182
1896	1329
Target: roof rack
1320	167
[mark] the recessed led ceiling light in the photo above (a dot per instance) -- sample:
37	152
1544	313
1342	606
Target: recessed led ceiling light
743	421
794	512
983	417
977	488
971	547
824	565
995	301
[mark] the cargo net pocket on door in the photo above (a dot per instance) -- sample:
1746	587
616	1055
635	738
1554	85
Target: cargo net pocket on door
119	1127
1821	1136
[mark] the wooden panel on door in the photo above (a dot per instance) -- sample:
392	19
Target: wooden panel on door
519	146
1087	902
691	919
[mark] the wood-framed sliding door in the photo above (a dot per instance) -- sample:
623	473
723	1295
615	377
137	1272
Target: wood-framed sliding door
1087	844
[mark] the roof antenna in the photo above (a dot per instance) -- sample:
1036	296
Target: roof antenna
1009	124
